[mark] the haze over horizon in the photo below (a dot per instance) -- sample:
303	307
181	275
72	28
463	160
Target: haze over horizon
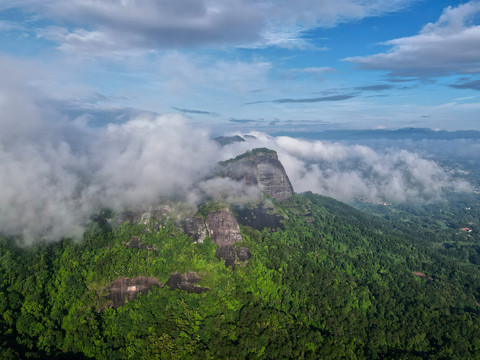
247	65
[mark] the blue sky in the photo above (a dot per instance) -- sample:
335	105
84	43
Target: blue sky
232	65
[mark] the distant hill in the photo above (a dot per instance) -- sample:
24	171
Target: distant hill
259	167
227	140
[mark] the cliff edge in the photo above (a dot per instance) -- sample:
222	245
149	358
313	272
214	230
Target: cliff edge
262	168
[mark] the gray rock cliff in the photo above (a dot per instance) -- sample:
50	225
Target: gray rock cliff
185	282
224	231
195	228
262	168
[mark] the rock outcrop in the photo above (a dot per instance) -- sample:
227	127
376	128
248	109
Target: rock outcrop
154	217
223	228
128	288
259	216
185	282
195	228
243	254
227	140
262	168
224	231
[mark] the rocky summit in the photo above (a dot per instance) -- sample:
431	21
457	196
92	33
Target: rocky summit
259	167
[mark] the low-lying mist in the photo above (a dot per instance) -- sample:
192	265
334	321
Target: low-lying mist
56	172
346	171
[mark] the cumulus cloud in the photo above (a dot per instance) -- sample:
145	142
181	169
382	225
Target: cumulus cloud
52	187
109	26
448	46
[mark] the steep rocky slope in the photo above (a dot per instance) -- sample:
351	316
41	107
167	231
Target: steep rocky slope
259	167
224	231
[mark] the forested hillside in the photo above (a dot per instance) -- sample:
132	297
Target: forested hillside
330	283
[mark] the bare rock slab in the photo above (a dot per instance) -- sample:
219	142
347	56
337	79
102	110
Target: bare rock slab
129	288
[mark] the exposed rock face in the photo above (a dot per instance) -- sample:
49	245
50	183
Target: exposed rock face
125	287
224	231
157	216
259	217
195	228
223	228
185	282
227	253
243	254
145	216
260	167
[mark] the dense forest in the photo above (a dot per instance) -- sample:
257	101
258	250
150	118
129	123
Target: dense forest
331	283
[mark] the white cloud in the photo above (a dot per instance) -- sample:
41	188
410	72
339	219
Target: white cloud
109	26
54	174
50	186
179	73
449	46
347	171
11	26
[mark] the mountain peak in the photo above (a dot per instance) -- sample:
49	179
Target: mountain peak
260	167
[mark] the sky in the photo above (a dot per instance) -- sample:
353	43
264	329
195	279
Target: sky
238	65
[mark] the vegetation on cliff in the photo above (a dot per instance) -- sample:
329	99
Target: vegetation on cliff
333	282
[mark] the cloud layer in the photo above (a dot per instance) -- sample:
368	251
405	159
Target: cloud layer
56	172
52	187
109	26
448	46
348	171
